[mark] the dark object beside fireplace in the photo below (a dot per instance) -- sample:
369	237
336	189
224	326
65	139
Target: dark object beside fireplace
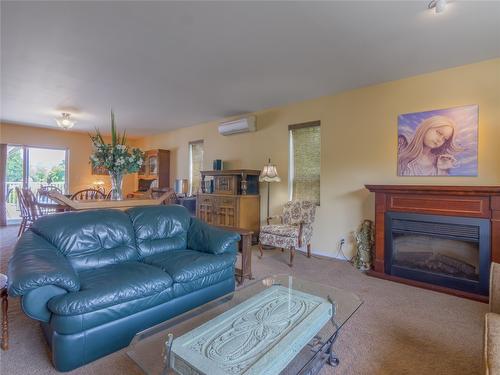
453	252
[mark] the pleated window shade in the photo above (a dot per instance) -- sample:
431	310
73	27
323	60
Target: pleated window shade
305	161
195	165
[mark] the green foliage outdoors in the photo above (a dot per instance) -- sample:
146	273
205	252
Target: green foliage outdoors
15	165
41	174
37	173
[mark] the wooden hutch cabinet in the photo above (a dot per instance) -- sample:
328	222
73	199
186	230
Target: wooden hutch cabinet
232	200
156	169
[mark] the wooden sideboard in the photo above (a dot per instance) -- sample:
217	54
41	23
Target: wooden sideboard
234	202
232	181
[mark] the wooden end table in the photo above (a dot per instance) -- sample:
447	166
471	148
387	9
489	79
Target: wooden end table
5	306
245	247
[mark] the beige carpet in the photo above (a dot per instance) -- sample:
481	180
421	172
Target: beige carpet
398	330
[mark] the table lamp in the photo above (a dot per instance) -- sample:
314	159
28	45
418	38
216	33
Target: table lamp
269	174
99	185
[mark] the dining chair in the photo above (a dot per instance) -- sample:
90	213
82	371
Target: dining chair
43	193
88	194
42	196
29	208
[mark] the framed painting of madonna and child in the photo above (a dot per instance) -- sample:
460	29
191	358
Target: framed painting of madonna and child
442	142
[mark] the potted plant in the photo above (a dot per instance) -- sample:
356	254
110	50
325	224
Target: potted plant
118	158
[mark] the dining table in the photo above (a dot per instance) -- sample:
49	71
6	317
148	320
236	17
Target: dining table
62	200
46	203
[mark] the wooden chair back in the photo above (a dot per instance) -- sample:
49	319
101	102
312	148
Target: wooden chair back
42	195
28	205
88	194
32	204
23	208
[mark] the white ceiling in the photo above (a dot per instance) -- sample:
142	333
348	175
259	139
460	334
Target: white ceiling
164	65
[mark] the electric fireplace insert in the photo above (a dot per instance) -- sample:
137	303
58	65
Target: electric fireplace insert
453	252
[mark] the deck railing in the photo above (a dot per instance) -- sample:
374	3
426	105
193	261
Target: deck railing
11	196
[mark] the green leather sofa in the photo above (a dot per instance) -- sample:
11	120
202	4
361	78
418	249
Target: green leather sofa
95	278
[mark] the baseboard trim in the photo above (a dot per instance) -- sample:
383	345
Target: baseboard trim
319	254
322	254
435	288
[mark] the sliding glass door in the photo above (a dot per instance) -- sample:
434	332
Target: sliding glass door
45	166
33	167
14	178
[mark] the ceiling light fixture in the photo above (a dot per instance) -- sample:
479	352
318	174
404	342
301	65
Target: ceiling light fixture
438	5
65	121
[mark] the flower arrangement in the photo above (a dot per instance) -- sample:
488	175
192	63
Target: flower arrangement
118	158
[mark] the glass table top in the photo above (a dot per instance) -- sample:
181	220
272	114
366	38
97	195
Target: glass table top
147	349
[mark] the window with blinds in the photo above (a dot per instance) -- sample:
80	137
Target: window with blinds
195	166
305	160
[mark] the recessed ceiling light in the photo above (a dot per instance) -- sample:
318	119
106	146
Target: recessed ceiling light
438	5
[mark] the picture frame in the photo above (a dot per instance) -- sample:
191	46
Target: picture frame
442	142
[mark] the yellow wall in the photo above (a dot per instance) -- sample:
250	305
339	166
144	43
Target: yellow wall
78	145
359	138
358	146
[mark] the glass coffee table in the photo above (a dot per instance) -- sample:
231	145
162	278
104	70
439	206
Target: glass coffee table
277	325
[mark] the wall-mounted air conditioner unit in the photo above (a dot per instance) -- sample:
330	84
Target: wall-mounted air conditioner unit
242	125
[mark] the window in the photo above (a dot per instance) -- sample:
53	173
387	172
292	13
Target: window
305	160
33	167
195	166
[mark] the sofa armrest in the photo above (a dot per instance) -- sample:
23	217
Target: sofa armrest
35	302
495	288
492	343
268	219
205	238
36	263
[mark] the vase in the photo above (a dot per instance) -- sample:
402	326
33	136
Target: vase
116	186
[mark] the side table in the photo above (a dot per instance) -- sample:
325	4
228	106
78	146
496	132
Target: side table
5	306
245	246
189	203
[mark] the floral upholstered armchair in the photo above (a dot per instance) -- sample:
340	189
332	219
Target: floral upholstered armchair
294	231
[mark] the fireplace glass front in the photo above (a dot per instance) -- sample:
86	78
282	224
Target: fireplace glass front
457	258
448	251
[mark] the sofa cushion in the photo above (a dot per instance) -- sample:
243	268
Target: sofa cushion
90	239
111	285
160	228
188	265
181	289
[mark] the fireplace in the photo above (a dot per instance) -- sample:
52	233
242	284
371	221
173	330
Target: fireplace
442	238
453	252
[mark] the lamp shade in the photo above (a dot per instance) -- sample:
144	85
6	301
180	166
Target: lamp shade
269	173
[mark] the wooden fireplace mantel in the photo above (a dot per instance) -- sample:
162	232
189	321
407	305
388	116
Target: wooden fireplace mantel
462	201
435	189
